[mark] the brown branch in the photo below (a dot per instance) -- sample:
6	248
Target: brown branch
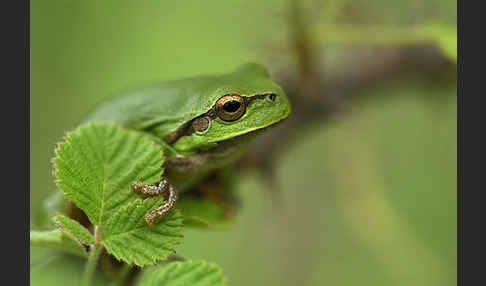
367	68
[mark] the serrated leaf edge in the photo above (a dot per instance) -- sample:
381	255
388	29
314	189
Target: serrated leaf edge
151	261
180	264
67	138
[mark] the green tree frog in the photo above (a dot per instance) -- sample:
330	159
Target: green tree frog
202	123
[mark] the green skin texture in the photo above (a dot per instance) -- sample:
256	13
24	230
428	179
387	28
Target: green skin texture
159	109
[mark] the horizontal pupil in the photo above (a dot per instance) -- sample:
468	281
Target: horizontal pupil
231	106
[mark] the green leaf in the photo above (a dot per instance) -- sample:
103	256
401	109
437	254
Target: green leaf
74	228
195	273
445	37
57	240
203	213
97	163
95	166
128	237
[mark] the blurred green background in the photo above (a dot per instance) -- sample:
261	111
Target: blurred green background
369	194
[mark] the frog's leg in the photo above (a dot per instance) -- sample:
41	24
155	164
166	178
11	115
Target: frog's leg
218	187
163	188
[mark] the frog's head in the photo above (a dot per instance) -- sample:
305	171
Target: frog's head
233	105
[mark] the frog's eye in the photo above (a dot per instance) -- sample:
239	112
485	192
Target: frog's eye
230	107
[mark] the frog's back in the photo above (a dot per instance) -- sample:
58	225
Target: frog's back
168	105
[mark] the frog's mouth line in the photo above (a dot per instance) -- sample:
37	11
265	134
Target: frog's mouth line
223	152
254	132
236	142
187	128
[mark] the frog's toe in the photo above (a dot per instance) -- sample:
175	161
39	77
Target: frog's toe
137	187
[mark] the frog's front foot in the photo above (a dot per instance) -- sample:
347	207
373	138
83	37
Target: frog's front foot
163	188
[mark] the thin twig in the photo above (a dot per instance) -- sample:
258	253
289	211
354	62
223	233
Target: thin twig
94	254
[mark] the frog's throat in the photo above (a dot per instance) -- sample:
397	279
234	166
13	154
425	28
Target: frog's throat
182	169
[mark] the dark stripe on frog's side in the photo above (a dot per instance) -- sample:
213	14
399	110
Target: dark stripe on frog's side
187	128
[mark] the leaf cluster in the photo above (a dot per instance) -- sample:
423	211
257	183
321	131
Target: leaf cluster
94	167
